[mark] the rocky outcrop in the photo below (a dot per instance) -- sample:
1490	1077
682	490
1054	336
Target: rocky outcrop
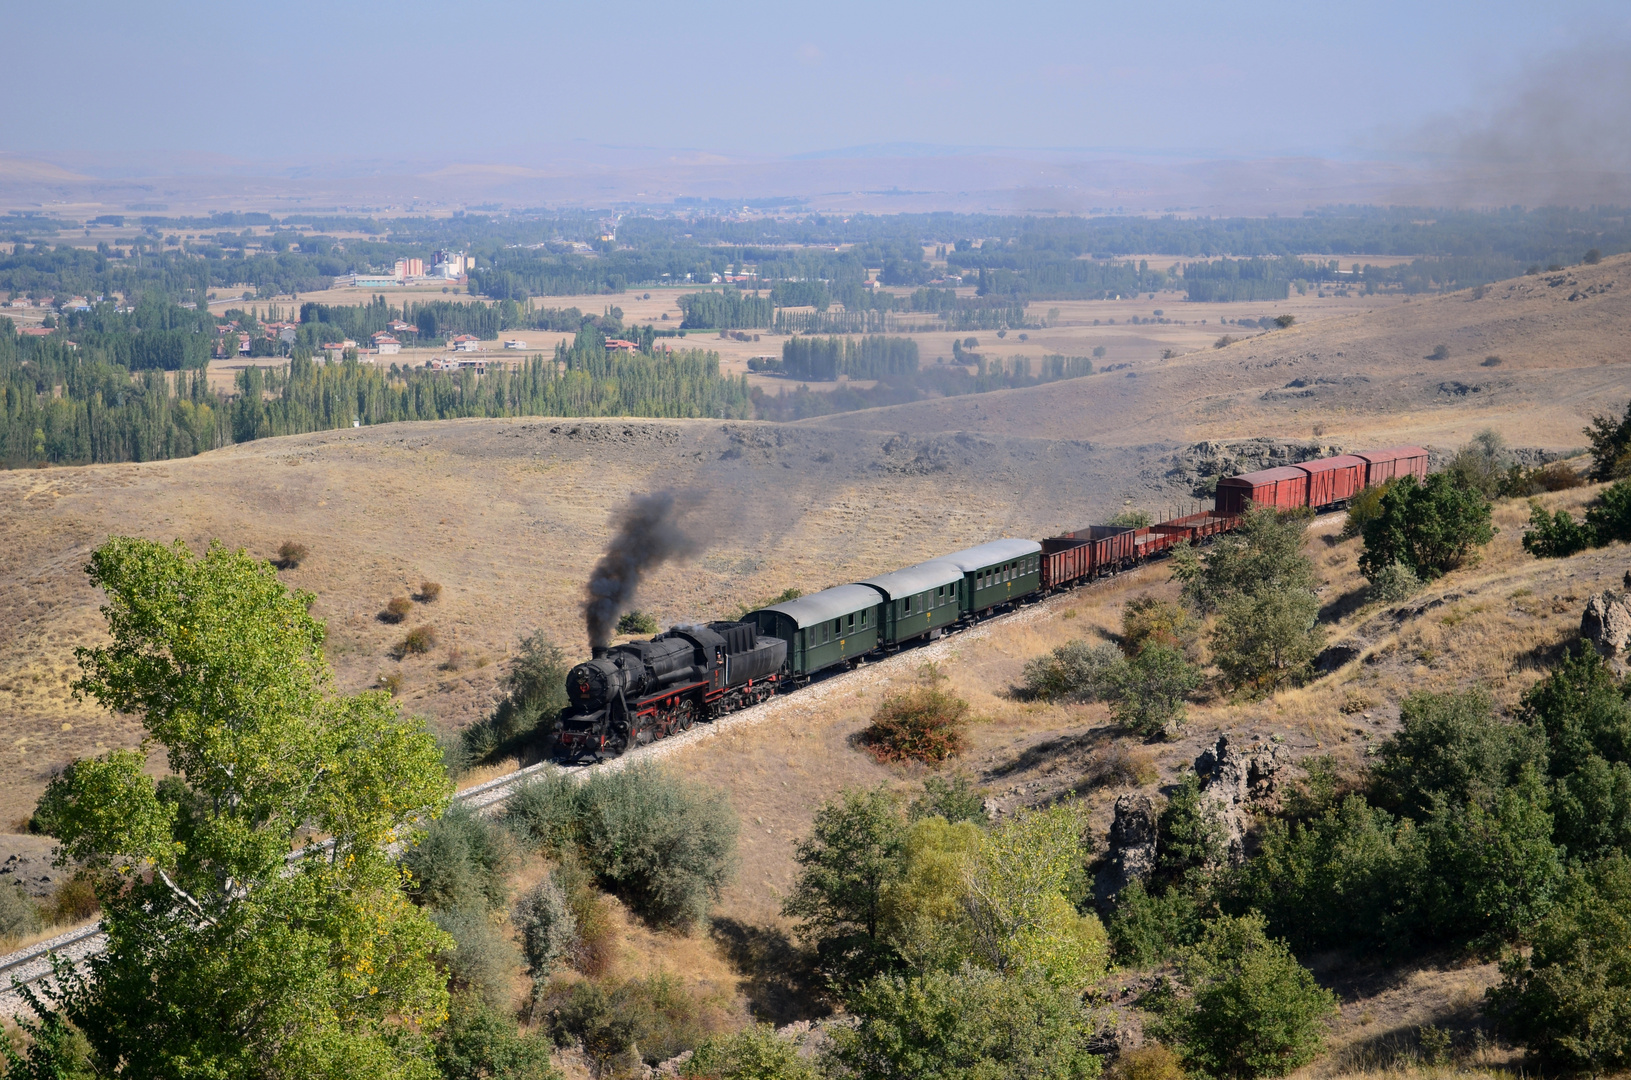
1233	778
1131	855
1607	622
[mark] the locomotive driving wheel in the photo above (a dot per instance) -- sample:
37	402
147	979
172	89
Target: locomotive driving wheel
685	715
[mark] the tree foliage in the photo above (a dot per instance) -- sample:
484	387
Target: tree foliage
1432	528
219	953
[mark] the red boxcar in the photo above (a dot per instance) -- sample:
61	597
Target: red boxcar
1334	479
1284	487
1384	465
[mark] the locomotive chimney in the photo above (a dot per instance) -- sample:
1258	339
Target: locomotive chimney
598	652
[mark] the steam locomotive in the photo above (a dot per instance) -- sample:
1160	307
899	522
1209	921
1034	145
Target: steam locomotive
633	694
636	693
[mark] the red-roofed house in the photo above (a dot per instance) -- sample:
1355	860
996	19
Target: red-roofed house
465	343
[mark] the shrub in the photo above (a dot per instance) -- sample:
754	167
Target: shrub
1223	342
641	1020
923	724
1121	765
462	862
1610	446
1265	641
291	553
1393	583
667	846
1075	671
754	1053
1362	508
1592	257
548	929
968	1025
1610	519
1431	528
955	800
1440	352
1151	688
480	1041
74	901
1152	1061
1481	464
595	947
543	812
1264	555
419	640
1148	619
390	682
429	592
1252	1010
1149	926
19	914
1556	536
396	609
1190	841
1557	476
636	622
482	961
1490	361
534	695
1284	322
1132	518
1569	1000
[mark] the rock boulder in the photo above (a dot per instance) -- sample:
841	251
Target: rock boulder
1607	622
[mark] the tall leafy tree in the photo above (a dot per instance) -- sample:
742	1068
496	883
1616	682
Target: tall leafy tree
1430	527
238	945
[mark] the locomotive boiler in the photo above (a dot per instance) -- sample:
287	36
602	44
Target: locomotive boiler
636	693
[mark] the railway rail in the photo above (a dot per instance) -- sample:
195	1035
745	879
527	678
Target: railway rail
32	966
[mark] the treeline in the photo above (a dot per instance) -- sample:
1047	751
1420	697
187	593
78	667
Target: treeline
439	319
63	406
825	359
1242	279
801	402
730	309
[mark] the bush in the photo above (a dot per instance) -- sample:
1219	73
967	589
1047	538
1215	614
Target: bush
923	724
1569	1000
1440	352
462	862
1610	447
641	1020
420	640
968	1025
396	609
429	592
1252	1010
543	813
74	901
390	682
534	695
1481	464
19	914
1592	257
1147	619
1264	555
1152	1061
479	1042
1610	519
1490	361
595	947
955	800
667	846
1393	583
543	917
291	553
1132	518
1075	671
1431	528
1556	536
1266	641
1151	688
1148	927
636	622
754	1053
482	960
1362	508
1190	841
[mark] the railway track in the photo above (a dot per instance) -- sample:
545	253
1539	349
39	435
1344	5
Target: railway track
32	966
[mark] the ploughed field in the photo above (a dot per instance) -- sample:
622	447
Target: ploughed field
509	515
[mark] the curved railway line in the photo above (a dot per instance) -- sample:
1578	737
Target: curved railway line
32	966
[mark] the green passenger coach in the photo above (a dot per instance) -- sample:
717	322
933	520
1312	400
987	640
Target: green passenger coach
997	573
919	601
824	629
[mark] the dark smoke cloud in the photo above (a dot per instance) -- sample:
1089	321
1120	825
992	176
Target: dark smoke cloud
651	530
1559	134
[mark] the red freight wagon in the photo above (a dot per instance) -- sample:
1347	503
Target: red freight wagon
1284	487
1384	465
1086	553
1334	479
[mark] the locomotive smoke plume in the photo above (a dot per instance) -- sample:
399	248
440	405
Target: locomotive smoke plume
649	531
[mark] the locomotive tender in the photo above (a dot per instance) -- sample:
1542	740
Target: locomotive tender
635	693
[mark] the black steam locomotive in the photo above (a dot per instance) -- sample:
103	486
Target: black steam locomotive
633	694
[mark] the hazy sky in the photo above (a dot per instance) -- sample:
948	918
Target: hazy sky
303	81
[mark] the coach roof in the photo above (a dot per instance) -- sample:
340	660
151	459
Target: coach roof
996	551
826	604
916	579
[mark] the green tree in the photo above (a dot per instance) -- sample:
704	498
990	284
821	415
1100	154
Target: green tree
1431	527
534	695
1610	446
1481	465
967	1025
852	856
480	1042
1251	1010
1267	640
1264	555
754	1053
1569	1000
220	953
1556	536
1151	688
1610	519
